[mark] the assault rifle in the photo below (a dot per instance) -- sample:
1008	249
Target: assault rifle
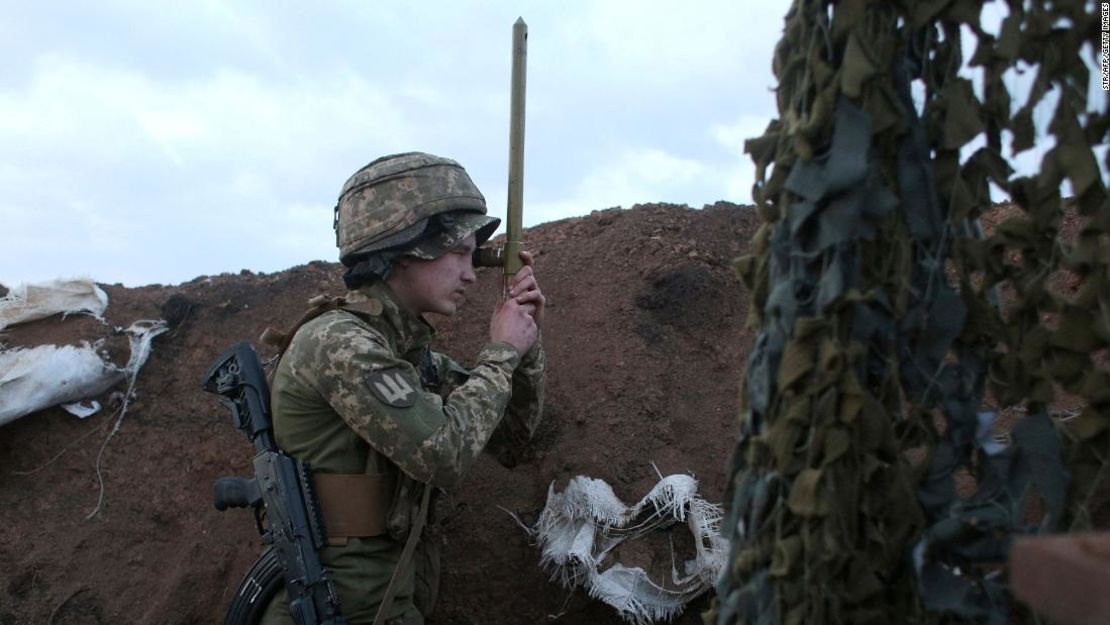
280	494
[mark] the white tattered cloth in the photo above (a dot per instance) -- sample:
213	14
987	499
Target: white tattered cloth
28	302
579	528
50	375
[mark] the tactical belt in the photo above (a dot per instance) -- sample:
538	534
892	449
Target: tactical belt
353	505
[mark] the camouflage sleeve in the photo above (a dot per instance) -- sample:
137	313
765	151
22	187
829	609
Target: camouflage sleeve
379	395
509	441
525	408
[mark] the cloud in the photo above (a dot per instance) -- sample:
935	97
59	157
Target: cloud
628	175
632	176
739	171
216	137
624	38
127	163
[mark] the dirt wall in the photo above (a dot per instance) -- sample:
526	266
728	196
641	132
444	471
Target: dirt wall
645	339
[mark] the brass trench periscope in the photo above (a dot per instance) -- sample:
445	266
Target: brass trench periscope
508	255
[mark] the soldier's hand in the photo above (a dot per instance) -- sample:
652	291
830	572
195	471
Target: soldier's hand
526	290
513	323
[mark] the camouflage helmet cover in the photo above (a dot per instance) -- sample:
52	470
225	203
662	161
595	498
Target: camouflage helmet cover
388	202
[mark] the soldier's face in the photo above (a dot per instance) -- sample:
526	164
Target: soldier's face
438	285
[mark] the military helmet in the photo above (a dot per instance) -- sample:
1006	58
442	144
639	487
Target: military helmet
403	199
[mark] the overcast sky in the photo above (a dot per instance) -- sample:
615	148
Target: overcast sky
150	142
145	142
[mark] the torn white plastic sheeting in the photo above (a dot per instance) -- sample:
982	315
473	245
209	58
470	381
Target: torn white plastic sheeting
28	302
81	410
579	527
48	375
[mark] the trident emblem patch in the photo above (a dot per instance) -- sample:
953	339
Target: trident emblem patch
392	388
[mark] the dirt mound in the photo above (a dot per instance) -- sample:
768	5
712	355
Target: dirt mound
645	341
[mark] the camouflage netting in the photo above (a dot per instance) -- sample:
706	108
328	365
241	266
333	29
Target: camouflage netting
893	332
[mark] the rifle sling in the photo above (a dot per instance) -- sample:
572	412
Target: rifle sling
406	556
353	505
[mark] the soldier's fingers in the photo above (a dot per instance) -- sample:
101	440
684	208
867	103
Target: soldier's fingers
500	306
525	285
523	274
531	296
527	258
511	305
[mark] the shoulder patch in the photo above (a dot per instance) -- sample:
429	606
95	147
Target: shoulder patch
391	387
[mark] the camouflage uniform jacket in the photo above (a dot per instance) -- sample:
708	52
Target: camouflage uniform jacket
359	390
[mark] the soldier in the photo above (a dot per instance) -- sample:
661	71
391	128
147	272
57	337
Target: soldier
384	421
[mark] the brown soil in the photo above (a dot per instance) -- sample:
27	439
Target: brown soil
646	341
